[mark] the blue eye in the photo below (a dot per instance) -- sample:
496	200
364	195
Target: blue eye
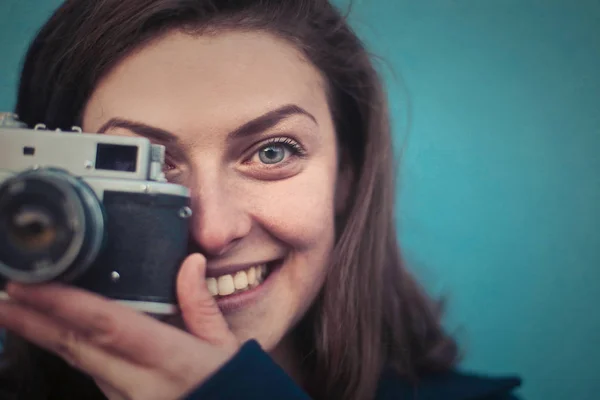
272	154
277	150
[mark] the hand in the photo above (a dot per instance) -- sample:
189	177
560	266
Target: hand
130	355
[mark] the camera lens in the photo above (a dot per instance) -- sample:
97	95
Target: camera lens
51	226
33	227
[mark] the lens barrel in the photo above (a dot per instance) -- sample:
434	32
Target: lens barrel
51	226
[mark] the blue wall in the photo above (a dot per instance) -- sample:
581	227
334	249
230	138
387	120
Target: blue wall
500	184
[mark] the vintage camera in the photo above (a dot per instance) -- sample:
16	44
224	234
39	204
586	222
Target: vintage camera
93	211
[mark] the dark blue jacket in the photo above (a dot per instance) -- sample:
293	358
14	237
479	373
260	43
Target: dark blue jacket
252	374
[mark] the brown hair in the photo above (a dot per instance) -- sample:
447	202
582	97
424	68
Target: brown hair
371	313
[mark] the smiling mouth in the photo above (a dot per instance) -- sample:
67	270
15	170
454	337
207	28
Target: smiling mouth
230	284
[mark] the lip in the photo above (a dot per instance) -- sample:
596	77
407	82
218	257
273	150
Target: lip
238	301
215	272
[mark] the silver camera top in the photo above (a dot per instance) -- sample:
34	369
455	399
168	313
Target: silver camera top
82	154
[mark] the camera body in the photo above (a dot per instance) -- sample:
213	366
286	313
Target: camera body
93	211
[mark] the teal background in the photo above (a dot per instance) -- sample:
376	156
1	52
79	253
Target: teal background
496	107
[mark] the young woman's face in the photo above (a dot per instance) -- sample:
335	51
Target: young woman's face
248	129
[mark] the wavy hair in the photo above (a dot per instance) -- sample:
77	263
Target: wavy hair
371	313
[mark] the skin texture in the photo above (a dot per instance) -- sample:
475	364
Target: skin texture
246	211
201	89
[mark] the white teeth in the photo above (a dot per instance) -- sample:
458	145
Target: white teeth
225	284
251	276
212	286
240	280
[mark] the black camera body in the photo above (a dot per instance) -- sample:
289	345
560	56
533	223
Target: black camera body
93	211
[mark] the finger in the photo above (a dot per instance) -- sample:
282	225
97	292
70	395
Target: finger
110	392
199	310
68	344
107	324
130	352
117	377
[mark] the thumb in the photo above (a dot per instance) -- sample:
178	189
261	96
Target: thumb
199	310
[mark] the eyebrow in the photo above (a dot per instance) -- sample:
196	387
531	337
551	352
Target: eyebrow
268	120
253	127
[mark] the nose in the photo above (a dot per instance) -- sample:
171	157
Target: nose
219	220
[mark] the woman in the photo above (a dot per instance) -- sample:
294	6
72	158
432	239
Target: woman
273	116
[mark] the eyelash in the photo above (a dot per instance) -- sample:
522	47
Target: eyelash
293	146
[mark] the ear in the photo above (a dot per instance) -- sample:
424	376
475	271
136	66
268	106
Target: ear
344	183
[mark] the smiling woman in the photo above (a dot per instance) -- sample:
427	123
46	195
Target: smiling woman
274	118
243	140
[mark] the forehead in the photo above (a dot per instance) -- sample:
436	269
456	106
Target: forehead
231	75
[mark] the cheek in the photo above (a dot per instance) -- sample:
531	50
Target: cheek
299	211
